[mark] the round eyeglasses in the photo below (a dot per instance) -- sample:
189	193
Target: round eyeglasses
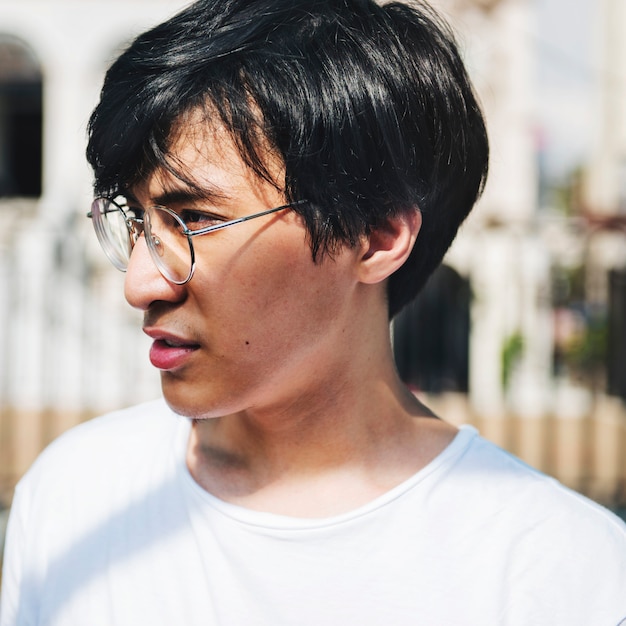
168	233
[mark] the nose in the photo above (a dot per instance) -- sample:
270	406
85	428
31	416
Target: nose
144	284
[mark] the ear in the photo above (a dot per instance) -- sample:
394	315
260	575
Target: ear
387	247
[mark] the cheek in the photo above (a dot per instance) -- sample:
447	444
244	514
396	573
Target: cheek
293	287
268	315
292	311
268	290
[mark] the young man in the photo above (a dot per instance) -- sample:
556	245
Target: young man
278	179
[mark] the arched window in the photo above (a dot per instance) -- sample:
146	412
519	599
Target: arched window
20	119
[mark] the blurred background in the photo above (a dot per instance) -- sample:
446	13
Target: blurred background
521	332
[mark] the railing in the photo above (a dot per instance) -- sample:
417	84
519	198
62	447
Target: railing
70	347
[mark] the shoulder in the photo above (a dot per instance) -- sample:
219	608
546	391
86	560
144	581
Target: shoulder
503	478
93	486
538	508
104	448
533	530
118	428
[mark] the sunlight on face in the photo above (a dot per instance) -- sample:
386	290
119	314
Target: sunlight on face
260	322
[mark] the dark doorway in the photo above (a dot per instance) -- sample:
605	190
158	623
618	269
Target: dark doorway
20	120
431	335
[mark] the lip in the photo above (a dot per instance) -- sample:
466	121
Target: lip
168	351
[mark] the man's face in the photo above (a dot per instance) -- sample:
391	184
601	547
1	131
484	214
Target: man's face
260	324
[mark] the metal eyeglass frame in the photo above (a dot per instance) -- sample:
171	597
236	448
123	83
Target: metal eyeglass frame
134	233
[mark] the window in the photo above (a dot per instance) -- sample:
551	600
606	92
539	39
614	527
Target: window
20	120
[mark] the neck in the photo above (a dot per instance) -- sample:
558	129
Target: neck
314	428
359	435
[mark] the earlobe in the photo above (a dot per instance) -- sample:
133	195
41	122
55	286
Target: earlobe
388	246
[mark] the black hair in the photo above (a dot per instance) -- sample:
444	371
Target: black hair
369	107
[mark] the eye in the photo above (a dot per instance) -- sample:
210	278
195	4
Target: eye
195	220
129	207
134	212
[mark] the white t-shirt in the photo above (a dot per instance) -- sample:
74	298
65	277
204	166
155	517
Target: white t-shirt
109	528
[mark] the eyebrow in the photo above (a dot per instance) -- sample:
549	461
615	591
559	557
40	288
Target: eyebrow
182	196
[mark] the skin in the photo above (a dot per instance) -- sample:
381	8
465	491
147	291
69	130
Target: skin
289	376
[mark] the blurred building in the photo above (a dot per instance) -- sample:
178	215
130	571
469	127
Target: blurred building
498	324
543	262
69	346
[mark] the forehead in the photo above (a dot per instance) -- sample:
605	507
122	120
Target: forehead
202	156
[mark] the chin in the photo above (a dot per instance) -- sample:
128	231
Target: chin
187	405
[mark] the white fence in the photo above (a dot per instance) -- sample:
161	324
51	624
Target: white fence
70	347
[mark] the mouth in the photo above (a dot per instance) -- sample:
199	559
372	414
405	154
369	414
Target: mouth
169	352
173	343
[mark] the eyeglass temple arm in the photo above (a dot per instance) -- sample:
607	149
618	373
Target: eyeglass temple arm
245	218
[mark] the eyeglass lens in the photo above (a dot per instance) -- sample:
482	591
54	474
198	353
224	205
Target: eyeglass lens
117	229
113	233
168	238
169	245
